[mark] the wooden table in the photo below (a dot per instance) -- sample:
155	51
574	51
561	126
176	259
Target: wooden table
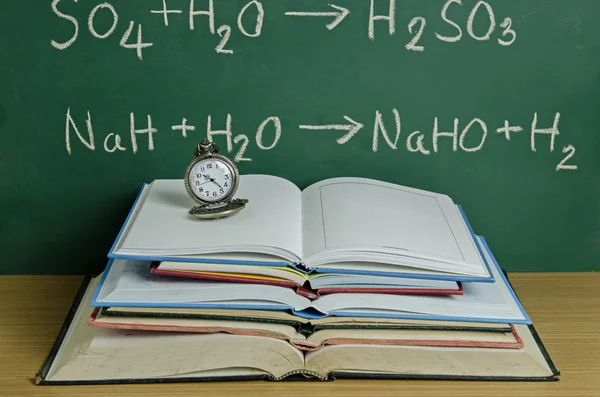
565	307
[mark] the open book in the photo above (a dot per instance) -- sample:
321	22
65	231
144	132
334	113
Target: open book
370	334
304	326
84	354
129	283
340	225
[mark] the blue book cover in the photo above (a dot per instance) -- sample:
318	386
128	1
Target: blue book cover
500	295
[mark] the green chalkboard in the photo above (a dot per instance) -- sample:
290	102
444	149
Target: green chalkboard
311	91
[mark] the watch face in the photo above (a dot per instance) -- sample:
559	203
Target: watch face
211	179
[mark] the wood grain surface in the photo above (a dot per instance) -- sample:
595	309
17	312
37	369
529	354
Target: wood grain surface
565	308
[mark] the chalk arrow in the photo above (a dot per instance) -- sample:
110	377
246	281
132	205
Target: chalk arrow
352	129
339	15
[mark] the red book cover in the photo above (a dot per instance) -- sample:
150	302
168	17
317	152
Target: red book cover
306	291
230	279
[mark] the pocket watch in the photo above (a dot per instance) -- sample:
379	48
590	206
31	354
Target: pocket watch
211	180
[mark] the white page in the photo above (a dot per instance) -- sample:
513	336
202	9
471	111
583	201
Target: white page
126	354
132	215
480	300
329	280
351	259
270	223
379	268
529	361
132	283
357	214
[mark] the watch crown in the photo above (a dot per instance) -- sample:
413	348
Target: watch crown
204	148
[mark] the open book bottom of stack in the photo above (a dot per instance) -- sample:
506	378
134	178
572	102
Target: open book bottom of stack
131	345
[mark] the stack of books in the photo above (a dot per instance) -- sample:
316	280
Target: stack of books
351	277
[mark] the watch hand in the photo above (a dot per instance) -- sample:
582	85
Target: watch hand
216	183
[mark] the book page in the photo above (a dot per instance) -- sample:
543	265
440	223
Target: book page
480	302
367	216
135	209
414	337
78	333
205	326
130	354
270	223
434	361
318	280
256	272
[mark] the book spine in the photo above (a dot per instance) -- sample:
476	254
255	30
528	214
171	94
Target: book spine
304	372
303	267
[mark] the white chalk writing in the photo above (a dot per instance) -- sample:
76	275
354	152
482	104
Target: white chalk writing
464	137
